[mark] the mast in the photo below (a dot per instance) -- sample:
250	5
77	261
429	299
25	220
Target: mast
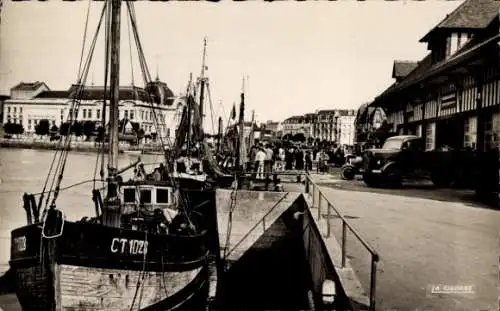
111	208
202	80
240	158
219	135
114	87
250	137
189	116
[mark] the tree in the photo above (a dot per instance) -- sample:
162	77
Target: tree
88	129
64	129
287	137
100	134
43	127
54	129
13	128
77	129
300	137
8	128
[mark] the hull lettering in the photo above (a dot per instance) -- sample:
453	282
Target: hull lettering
133	247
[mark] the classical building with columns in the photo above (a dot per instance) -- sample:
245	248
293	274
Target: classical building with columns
452	96
31	102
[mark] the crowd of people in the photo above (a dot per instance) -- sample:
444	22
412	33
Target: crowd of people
264	158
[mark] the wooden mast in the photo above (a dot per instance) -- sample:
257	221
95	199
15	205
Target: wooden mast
202	80
241	145
111	211
114	84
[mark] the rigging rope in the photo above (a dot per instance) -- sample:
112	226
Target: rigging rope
83	40
72	116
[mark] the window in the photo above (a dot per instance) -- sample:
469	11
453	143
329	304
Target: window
20	109
126	114
8	109
89	114
15	110
470	132
430	131
146	196
84	113
131	115
129	195
161	195
98	114
492	132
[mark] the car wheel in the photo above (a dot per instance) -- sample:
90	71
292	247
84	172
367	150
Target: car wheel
348	172
393	177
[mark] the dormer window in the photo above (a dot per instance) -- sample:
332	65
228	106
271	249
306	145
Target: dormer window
455	42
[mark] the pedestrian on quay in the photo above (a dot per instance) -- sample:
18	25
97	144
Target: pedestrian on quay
268	162
260	157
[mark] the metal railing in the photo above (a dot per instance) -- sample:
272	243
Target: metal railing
345	225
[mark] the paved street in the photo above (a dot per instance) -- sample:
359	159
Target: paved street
421	242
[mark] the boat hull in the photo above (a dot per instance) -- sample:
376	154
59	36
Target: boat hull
92	267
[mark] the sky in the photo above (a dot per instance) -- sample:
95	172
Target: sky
297	57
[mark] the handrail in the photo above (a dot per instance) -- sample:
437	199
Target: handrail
262	220
345	225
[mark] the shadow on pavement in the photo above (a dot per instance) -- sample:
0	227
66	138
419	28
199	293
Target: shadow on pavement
422	190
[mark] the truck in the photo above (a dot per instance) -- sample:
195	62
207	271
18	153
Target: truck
404	157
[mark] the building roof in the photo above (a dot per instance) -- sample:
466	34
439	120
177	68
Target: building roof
427	69
31	86
53	94
97	93
402	68
471	14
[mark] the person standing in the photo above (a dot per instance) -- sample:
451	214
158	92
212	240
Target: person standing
260	157
268	162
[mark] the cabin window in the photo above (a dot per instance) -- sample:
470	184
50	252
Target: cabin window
146	196
129	195
161	195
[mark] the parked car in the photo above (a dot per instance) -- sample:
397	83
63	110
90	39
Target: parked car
352	167
404	157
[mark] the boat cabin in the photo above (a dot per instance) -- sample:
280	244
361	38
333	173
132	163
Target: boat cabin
147	203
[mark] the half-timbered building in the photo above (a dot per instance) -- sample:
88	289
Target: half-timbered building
452	96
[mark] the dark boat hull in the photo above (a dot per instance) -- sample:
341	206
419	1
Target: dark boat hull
93	267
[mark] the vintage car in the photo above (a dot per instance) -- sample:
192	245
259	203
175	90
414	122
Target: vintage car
352	167
404	157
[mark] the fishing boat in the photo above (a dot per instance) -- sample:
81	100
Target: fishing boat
147	247
195	166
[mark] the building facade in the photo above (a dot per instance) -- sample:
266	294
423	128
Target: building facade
337	125
452	96
298	125
29	105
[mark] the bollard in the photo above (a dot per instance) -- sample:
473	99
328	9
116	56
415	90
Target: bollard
344	227
373	280
328	220
319	205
